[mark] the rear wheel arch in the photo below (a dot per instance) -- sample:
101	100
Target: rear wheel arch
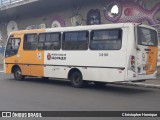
72	71
76	78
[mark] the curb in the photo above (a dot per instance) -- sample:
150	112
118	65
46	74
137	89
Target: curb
158	77
138	85
1	71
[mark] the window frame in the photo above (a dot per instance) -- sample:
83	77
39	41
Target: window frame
30	42
45	33
139	27
91	39
83	41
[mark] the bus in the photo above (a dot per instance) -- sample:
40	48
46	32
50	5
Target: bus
158	64
99	54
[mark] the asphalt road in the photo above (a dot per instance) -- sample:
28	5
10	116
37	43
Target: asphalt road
34	94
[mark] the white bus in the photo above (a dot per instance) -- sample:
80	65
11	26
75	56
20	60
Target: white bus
97	53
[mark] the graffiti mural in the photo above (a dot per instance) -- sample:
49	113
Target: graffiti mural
131	11
57	21
11	26
31	27
41	26
93	17
76	18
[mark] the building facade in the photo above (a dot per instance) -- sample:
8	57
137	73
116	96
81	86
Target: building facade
61	13
33	14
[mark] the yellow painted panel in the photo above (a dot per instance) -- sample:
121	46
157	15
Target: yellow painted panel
37	70
28	31
26	69
8	68
152	60
31	57
26	57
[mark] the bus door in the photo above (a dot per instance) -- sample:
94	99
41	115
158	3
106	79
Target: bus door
32	58
146	51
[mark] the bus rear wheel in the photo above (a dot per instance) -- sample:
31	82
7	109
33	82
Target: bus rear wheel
18	74
76	80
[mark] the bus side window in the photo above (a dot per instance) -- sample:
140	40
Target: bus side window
147	37
110	39
41	41
30	42
49	41
77	40
12	47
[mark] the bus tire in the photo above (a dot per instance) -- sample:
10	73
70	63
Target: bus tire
76	80
99	84
18	74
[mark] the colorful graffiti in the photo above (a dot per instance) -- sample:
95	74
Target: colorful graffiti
11	26
131	11
76	18
31	27
41	26
93	17
57	21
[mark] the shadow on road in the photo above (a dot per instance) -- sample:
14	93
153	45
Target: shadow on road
108	88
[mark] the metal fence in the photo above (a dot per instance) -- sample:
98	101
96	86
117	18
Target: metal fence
4	2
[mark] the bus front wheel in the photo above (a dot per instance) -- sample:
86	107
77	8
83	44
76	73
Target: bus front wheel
18	74
76	80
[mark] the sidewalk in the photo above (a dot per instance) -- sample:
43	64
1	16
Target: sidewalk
146	84
155	82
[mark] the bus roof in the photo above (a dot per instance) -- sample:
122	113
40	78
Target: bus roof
78	28
28	31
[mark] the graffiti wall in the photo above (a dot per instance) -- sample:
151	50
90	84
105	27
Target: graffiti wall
81	13
141	11
101	12
132	11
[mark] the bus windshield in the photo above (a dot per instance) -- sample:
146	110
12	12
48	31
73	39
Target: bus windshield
147	37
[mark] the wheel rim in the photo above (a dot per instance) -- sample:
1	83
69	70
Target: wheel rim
18	74
77	80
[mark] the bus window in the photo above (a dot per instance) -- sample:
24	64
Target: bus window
49	41
77	40
41	41
147	37
12	47
30	42
106	39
